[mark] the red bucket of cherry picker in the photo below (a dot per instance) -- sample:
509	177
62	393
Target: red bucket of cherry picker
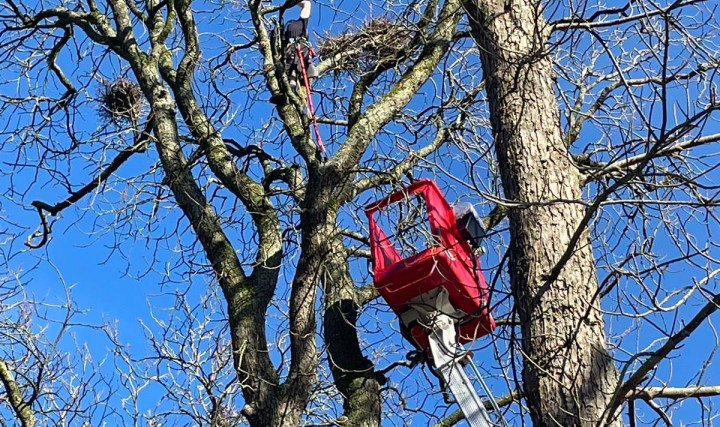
418	252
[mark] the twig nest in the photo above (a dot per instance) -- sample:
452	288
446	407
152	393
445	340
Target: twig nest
120	100
378	40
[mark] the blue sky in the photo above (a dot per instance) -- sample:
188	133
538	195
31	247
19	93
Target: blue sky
117	286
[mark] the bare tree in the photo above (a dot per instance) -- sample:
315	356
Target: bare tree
189	364
624	74
47	376
597	177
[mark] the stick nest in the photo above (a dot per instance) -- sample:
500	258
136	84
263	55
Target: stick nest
363	49
120	101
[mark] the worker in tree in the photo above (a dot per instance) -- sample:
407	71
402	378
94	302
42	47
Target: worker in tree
298	51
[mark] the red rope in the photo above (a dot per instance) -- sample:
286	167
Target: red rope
311	107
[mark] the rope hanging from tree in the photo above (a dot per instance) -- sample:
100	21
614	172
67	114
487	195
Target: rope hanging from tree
298	55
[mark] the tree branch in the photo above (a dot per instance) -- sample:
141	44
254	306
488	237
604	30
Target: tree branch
139	146
590	23
578	117
655	407
665	139
646	393
458	416
395	174
622	165
22	409
380	113
654	358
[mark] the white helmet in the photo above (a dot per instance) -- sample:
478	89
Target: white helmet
305	12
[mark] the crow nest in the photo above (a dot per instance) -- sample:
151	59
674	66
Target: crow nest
360	50
120	100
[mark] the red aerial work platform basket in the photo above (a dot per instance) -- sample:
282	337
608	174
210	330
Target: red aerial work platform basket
446	265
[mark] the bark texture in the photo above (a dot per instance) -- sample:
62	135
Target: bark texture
20	406
568	375
353	373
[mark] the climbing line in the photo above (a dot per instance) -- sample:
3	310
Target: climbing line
311	107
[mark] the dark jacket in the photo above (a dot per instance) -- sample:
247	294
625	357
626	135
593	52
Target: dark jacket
296	29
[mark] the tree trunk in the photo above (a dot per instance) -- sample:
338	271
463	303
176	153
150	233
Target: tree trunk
354	374
568	375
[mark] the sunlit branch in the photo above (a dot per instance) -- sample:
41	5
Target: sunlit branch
622	165
591	22
458	416
646	393
579	117
378	114
21	408
666	138
410	161
655	357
